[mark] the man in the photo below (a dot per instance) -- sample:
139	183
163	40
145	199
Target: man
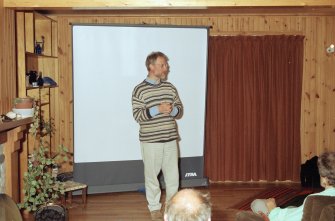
156	104
326	168
188	205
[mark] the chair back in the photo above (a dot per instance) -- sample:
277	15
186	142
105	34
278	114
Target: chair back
8	209
328	213
51	213
314	206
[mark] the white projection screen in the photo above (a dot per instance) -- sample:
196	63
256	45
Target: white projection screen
108	62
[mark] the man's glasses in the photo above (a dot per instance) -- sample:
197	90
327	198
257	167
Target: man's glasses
162	65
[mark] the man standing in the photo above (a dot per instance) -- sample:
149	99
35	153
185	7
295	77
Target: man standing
156	104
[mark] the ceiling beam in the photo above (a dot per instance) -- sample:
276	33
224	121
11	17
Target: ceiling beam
160	4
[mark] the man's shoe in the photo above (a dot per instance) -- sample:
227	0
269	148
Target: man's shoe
156	215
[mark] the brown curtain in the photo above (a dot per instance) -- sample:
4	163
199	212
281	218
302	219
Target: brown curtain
253	108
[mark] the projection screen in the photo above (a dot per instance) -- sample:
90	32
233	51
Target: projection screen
108	62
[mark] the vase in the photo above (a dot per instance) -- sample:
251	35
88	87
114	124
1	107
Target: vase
23	103
27	215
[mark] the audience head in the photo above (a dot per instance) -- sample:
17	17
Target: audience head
259	206
188	205
326	165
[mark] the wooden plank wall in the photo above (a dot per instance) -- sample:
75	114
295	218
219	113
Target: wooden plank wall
7	59
318	103
161	4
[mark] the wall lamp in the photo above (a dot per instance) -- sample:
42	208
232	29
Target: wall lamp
330	49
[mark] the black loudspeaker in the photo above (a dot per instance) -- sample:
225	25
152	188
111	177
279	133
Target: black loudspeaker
309	173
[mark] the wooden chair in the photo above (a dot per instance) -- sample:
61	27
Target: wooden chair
71	186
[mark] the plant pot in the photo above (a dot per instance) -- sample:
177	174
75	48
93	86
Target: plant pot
27	215
23	103
24	112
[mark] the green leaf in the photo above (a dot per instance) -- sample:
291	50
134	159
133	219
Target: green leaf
32	190
39	185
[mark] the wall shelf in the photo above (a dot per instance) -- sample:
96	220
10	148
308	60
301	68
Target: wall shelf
40	87
40	55
4	126
34	28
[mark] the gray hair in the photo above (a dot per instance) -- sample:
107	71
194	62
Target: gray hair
326	165
189	205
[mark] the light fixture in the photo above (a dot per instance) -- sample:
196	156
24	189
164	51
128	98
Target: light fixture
330	49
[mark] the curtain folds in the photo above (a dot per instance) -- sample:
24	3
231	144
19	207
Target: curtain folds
253	108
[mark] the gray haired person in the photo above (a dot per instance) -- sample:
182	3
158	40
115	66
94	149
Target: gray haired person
188	205
326	166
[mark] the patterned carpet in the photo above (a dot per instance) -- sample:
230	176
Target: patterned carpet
283	196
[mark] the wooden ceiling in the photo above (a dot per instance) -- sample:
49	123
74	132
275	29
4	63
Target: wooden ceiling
161	4
167	7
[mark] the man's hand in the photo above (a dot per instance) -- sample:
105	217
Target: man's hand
271	204
165	108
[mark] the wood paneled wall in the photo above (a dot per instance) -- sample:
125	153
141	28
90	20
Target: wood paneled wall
161	4
7	59
318	103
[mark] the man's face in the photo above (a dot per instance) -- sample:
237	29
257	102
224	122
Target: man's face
160	68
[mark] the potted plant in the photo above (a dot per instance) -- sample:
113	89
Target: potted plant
23	107
23	103
41	186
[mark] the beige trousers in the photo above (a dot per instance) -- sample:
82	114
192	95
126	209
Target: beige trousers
157	157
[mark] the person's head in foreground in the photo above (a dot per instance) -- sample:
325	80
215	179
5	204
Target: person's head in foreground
188	205
260	206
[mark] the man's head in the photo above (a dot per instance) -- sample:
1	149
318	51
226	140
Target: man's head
157	65
263	206
259	206
188	205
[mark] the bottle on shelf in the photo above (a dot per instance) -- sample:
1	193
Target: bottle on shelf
40	80
38	48
32	77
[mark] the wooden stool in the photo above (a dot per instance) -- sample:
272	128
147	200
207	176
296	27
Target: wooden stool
70	186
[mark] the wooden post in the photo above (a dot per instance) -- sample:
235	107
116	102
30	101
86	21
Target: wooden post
12	147
12	137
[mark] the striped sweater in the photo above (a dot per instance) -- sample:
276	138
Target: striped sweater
161	127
